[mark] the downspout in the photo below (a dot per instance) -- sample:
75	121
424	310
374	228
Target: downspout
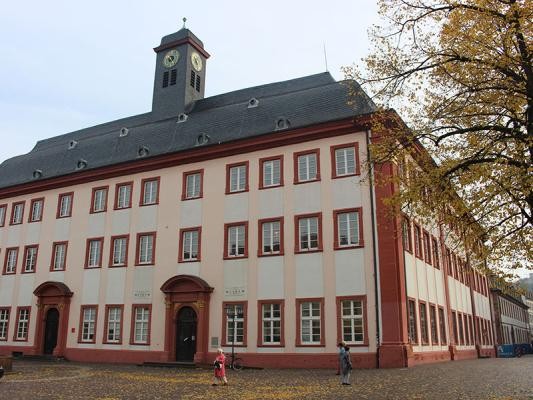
377	290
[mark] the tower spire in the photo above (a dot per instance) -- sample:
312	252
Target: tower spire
184	20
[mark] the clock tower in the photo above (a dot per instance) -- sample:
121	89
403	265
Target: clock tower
179	74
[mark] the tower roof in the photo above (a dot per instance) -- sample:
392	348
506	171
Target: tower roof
182	34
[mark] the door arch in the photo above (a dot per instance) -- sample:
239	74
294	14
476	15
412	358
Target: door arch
52	296
186	322
192	292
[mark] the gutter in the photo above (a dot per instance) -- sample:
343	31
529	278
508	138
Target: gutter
377	288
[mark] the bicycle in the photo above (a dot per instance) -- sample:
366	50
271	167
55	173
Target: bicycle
235	363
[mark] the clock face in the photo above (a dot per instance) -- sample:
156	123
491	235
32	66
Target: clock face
196	61
171	58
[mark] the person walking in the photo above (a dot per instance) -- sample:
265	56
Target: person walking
346	366
220	369
340	346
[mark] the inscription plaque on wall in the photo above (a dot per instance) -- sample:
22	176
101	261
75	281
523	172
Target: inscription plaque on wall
142	294
235	291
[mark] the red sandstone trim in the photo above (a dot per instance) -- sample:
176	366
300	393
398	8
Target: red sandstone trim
106	320
181	241
295	165
226	240
112	247
132	326
355	145
138	250
145	180
184	184
87	247
340	337
117	186
26	249
80	326
8	309
91	208
261	172
71	205
6	252
260	237
298	342
13	212
336	245
260	303
225	319
25	339
53	256
297	249
30	214
246	165
4	216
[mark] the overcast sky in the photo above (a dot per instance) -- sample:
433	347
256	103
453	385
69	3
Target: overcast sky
66	65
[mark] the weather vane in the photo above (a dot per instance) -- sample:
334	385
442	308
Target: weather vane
184	20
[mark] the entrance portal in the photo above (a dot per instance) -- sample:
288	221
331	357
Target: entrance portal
50	330
186	334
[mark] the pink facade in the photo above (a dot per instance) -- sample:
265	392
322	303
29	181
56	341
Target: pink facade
140	260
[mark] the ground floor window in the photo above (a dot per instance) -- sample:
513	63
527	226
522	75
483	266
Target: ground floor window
310	322
88	324
352	313
23	322
413	336
4	323
141	324
271	316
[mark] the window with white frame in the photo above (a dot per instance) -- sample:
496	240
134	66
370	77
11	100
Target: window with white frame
271	237
146	249
114	324
271	323
94	253
193	185
99	200
120	250
310	322
352	321
17	214
237	178
4	323
30	259
234	326
345	161
236	241
348	229
308	233
141	325
88	324
65	205
150	190
271	172
11	260
3	215
23	322
190	241
307	167
59	254
36	211
123	196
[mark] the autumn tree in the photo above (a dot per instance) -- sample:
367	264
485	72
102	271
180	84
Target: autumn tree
460	74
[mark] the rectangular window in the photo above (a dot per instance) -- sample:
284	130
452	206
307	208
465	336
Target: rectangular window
113	325
36	210
145	248
271	172
413	335
345	160
30	258
3	208
64	205
192	185
308	232
10	261
455	333
99	199
271	324
4	323
406	235
448	262
348	228
270	237
461	329
59	256
236	240
467	330
423	323
190	246
442	327
149	191
310	313
307	166
119	251
352	321
427	248
235	316
435	248
433	325
23	323
88	324
237	178
418	241
17	213
123	195
141	324
94	253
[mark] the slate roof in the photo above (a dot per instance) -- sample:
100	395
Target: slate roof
223	118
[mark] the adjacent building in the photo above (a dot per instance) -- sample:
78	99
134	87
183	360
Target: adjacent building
246	219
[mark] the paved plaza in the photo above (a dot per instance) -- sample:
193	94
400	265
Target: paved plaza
471	379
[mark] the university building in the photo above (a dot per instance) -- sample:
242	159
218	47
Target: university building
131	241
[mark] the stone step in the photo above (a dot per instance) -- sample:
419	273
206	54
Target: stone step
170	364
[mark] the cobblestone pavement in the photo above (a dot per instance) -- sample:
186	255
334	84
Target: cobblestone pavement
472	379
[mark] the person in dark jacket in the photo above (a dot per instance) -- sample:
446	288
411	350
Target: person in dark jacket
340	346
346	366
